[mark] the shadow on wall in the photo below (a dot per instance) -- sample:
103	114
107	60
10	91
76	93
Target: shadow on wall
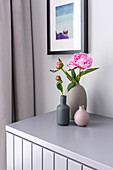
98	104
102	99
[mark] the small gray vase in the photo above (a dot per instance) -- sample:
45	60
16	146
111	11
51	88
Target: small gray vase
76	97
63	112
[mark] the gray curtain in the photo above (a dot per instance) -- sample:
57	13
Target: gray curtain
16	66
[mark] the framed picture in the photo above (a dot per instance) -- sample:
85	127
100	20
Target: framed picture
67	26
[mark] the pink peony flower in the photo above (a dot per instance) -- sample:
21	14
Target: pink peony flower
81	60
59	65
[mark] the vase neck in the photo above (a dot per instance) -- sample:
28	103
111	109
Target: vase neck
62	99
77	84
81	107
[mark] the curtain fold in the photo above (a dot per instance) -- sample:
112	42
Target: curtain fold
5	76
16	66
22	59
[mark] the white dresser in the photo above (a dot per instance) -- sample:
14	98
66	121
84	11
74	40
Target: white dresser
39	143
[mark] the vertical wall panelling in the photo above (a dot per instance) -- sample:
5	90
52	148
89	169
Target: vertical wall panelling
18	152
37	157
10	152
60	162
48	160
26	155
72	165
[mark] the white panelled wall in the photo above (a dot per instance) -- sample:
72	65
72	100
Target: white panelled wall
99	84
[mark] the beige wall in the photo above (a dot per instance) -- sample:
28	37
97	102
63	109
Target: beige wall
99	84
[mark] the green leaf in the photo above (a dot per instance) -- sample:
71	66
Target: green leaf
77	79
73	68
53	71
87	71
59	86
70	86
73	73
60	60
70	78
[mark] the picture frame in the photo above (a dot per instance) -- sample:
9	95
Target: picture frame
67	26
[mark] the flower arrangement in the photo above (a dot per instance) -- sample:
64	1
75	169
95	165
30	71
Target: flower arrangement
79	61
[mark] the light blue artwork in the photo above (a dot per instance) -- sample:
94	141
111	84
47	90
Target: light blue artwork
64	21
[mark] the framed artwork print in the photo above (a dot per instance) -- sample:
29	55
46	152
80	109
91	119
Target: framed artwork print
67	26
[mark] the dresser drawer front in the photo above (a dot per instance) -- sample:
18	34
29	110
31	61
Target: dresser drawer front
26	155
86	168
18	152
60	162
10	158
37	157
72	165
48	160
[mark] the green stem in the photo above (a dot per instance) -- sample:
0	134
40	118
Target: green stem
68	76
63	70
62	88
79	76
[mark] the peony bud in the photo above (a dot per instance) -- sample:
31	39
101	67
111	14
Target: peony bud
59	65
58	78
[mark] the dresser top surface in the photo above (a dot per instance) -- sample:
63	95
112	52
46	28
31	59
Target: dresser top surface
94	141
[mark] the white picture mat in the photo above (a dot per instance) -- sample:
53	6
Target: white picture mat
65	44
